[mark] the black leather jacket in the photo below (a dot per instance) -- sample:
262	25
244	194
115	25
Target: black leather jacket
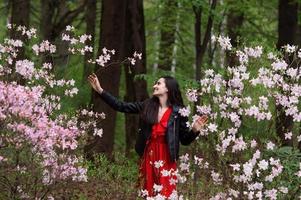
177	131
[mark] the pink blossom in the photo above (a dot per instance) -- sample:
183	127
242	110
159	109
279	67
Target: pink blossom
239	145
270	145
271	194
185	111
263	164
279	65
192	95
25	68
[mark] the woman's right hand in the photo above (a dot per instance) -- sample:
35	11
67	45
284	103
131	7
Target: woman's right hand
94	82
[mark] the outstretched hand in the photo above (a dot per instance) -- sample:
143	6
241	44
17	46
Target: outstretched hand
94	82
199	123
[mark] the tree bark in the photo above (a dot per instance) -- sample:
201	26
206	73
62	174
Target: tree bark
200	49
90	18
201	46
235	20
136	89
168	29
287	29
20	14
112	29
55	16
287	22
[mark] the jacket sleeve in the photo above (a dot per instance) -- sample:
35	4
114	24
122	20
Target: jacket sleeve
126	107
186	135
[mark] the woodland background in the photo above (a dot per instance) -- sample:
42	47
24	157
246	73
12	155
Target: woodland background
174	37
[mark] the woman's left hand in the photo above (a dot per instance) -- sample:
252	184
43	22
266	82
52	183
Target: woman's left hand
199	123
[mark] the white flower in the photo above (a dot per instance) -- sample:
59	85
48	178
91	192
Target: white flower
192	95
284	190
165	172
299	138
158	163
173	181
9	26
299	53
224	42
289	48
253	143
98	132
270	145
212	127
236	167
263	164
247	168
185	111
288	135
157	188
143	193
138	55
216	177
25	68
69	28
279	65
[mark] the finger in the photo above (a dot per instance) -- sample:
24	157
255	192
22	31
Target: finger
201	120
204	117
204	121
90	79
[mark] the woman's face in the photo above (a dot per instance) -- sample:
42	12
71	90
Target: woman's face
159	87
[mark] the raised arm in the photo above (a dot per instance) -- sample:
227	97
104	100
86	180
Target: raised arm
113	102
116	104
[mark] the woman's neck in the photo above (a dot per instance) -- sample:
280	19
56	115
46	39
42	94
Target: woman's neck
163	101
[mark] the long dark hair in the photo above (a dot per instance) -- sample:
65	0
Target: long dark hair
151	107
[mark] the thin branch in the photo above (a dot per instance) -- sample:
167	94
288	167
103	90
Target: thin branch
67	18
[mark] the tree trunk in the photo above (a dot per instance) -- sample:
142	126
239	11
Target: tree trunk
201	46
200	49
48	8
19	17
198	40
20	12
288	22
47	12
90	18
112	29
55	16
287	29
136	89
235	20
168	29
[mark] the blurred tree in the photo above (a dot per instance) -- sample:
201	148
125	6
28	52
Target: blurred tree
235	19
201	45
136	88
287	31
200	49
168	30
112	33
55	16
20	14
90	19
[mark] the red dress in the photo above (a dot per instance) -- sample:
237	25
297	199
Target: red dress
156	167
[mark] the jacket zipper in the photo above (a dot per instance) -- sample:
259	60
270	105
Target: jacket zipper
174	133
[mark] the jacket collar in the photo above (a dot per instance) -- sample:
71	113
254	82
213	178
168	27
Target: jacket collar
174	114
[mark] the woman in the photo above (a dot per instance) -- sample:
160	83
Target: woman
161	130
